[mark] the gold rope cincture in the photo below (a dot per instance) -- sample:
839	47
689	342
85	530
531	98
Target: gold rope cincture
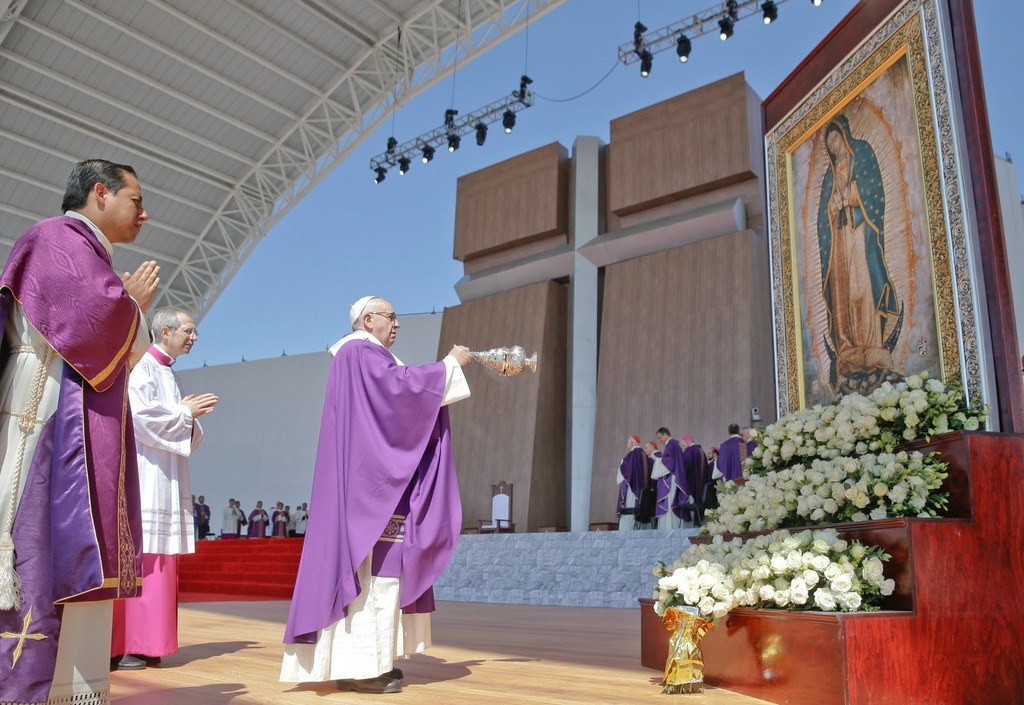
11	593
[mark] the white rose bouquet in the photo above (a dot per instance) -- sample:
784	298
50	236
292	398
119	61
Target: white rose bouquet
917	407
872	486
810	570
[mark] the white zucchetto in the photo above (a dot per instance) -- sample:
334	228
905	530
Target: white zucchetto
356	311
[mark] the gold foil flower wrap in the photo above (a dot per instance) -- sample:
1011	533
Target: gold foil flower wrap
684	669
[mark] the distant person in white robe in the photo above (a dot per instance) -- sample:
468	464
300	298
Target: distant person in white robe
232	520
166	433
301	517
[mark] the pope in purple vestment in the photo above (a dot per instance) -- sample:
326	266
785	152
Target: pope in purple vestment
77	531
384	483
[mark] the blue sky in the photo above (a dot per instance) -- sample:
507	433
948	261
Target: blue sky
351	237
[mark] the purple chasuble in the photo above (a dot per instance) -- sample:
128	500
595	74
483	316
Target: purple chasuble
280	527
636	472
78	528
695	465
731	455
258	524
672	456
663	489
384	437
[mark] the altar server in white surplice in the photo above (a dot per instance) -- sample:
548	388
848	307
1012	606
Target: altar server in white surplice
166	433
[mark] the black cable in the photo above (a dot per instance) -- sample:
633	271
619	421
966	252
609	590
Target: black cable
526	58
566	100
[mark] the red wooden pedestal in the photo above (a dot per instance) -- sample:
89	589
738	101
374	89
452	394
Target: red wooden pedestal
951	634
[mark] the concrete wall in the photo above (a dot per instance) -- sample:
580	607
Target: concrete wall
512	429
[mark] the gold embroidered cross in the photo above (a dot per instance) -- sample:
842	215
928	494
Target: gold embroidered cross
22	636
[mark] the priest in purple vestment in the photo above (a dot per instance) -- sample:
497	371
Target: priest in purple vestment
203	517
695	466
279	520
663	483
385	512
70	526
732	454
258	521
672	456
634	477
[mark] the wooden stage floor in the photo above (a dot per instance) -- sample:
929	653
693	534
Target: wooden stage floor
482	653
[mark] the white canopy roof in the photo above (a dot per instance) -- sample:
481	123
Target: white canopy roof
229	110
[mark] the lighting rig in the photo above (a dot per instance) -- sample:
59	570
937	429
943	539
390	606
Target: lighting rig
680	35
449	135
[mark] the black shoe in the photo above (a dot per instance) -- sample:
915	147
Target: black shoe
394	674
378	685
130	663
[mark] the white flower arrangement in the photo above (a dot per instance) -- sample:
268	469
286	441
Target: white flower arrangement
917	407
872	486
810	570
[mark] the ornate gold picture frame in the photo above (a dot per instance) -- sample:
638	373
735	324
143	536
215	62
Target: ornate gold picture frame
871	276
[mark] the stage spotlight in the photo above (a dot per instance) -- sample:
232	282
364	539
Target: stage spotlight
733	10
726	25
638	35
481	133
524	81
816	3
449	117
453	142
646	61
770	10
683	47
403	166
381	174
392	143
508	121
428	153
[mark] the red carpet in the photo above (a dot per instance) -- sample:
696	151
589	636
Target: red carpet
241	569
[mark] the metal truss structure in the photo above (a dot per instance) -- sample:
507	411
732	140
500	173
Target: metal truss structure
498	110
231	111
691	27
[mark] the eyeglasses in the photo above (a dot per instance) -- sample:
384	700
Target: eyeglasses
190	332
392	316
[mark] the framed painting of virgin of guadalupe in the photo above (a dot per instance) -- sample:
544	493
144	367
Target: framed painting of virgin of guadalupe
871	276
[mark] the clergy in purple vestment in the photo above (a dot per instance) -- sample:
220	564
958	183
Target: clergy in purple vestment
203	516
258	521
695	466
279	520
732	454
634	476
672	456
663	483
385	512
70	527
